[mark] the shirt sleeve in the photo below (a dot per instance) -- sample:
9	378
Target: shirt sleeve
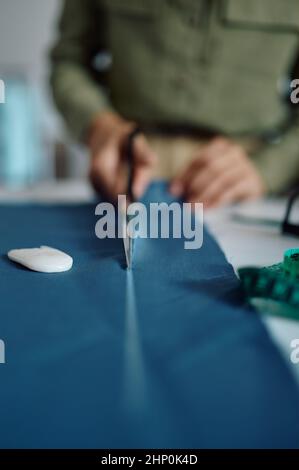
278	163
77	93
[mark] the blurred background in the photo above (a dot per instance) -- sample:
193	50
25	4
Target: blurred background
34	146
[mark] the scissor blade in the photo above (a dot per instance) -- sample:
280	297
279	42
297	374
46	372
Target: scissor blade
128	241
131	245
128	238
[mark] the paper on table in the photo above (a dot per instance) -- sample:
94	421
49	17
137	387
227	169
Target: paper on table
212	376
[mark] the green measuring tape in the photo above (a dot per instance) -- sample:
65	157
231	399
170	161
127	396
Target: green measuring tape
274	290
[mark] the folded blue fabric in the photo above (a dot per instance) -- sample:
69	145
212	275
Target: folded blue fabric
164	356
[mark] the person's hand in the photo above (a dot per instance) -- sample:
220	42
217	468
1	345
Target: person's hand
108	169
221	173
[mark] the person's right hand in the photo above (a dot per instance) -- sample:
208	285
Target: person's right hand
108	169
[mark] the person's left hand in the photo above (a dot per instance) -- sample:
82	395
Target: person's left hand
221	173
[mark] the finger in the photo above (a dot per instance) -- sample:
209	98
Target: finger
239	192
216	145
214	150
121	180
141	180
105	171
204	177
143	154
101	186
224	165
177	186
219	185
204	157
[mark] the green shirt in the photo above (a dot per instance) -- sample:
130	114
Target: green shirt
218	64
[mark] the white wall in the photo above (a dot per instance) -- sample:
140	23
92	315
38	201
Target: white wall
26	31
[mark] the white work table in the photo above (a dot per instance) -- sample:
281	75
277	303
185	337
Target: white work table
243	243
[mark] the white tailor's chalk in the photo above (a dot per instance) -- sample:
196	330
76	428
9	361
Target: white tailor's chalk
43	259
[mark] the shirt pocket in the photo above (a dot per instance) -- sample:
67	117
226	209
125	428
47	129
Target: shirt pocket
192	12
130	28
268	15
259	44
127	21
261	36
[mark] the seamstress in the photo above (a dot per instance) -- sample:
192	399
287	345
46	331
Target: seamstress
208	81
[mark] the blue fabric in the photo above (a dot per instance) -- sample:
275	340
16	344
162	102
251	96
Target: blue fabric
165	356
